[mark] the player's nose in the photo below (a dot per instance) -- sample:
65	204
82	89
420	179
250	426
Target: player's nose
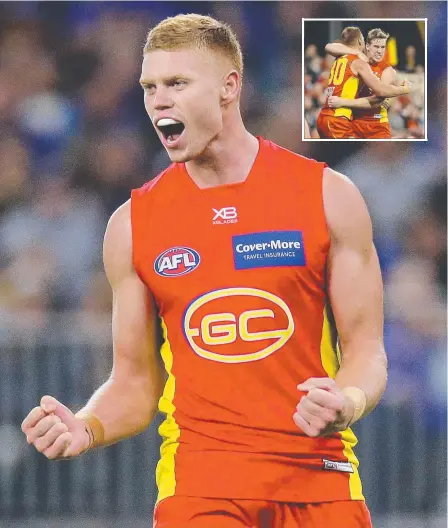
162	99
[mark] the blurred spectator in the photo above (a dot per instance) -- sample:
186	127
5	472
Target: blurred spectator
391	177
410	63
111	165
313	63
416	306
62	224
24	294
14	172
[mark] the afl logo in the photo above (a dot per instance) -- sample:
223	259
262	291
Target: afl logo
176	261
237	325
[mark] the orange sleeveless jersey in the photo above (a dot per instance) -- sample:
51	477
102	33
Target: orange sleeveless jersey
238	274
342	82
375	114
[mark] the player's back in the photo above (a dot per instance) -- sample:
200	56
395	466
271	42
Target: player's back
238	273
342	82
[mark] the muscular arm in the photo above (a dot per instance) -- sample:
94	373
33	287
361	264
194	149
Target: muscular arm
355	289
389	76
126	403
363	103
337	49
378	87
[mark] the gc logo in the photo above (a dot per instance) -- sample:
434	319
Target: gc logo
210	330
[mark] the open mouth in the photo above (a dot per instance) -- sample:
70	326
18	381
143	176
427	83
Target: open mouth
170	128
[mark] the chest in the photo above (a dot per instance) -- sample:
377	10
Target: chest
270	241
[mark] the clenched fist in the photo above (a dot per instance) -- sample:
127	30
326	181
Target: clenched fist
408	85
55	431
324	409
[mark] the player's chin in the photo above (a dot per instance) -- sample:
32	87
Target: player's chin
177	156
180	155
185	152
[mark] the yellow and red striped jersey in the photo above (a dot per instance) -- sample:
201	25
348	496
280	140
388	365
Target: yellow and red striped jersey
342	82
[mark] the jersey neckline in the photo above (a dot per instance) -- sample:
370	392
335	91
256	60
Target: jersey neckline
257	167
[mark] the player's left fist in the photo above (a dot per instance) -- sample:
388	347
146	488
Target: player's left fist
323	409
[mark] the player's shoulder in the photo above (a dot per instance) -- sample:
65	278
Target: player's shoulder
340	195
388	74
120	221
117	246
385	66
337	181
351	58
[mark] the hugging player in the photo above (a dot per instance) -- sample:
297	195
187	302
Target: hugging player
370	119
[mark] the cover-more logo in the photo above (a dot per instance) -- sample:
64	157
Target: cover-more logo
226	215
237	325
268	249
176	261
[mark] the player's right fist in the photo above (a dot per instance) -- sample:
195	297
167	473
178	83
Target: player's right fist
408	85
55	431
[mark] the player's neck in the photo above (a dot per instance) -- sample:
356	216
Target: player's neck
228	159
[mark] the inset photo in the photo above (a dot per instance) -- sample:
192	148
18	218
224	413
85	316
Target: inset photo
364	79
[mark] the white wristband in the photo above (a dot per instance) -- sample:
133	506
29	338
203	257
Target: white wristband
359	400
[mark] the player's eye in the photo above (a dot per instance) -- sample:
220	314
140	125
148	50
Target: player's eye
149	89
179	83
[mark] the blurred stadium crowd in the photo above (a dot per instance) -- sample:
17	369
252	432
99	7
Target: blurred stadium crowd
74	139
406	113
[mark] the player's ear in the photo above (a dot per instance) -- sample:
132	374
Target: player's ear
230	87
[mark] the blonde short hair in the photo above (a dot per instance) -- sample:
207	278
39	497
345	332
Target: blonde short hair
351	35
202	32
376	33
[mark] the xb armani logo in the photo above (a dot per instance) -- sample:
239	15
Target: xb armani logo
226	215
